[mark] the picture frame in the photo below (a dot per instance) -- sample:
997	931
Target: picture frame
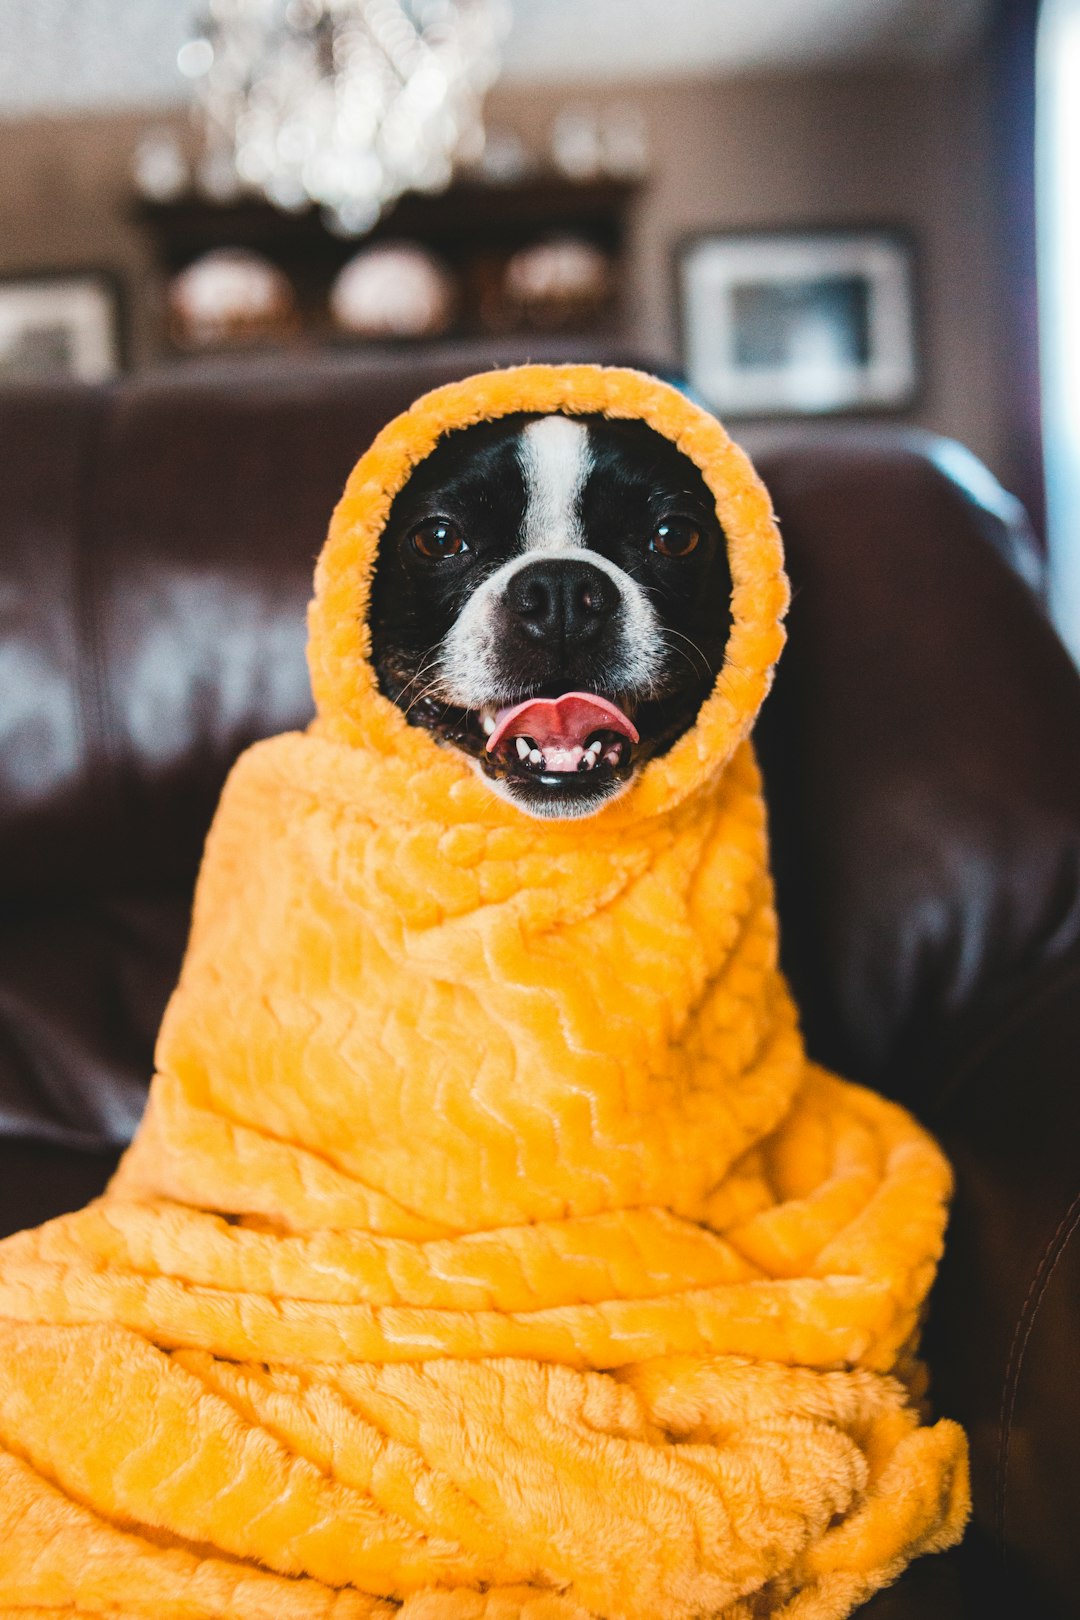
799	323
59	324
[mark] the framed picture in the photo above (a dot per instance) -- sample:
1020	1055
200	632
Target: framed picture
62	325
799	323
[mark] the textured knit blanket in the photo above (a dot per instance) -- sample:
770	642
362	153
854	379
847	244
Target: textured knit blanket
490	1248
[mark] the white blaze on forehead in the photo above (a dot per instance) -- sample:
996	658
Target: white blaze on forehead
554	456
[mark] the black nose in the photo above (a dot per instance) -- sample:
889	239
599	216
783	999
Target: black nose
561	598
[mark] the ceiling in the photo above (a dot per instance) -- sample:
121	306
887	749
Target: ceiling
638	39
85	55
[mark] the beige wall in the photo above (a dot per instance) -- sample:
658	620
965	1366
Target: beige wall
64	201
905	146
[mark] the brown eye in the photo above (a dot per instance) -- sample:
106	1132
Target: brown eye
437	539
675	537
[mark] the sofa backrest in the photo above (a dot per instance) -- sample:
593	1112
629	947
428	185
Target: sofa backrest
156	545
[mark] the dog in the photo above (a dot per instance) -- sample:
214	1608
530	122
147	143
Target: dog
552	598
505	1134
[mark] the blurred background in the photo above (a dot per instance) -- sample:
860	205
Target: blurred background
238	236
810	207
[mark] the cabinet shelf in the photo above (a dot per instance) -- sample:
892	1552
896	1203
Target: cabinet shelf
474	228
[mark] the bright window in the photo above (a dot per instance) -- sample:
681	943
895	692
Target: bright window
1058	182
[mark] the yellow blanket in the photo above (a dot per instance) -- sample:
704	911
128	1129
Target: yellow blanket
490	1247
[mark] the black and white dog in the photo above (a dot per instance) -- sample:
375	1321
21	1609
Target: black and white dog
552	598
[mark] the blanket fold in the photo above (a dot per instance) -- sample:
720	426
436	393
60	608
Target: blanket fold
490	1248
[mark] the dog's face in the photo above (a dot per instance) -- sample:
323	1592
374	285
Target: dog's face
552	598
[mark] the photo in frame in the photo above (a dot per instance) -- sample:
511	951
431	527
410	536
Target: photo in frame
63	325
799	323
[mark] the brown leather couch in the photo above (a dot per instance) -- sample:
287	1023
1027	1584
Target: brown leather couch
922	756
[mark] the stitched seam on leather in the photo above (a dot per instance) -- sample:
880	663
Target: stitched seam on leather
1025	1325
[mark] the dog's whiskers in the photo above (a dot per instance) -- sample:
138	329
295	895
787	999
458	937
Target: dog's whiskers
667	630
428	664
433	686
426	692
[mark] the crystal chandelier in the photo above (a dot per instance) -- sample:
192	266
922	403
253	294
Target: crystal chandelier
341	103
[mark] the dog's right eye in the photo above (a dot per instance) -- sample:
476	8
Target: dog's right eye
437	539
675	537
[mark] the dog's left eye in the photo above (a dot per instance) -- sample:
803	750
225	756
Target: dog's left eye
675	537
437	539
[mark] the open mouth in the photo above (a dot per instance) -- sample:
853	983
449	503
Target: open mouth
575	735
565	748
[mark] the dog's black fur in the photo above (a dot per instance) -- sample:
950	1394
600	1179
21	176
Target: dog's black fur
568	619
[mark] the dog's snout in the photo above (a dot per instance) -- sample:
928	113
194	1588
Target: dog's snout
561	599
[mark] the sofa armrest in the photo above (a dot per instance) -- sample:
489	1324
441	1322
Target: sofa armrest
1005	1320
39	1180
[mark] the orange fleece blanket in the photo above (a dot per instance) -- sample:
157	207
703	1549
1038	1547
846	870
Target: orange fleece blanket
490	1248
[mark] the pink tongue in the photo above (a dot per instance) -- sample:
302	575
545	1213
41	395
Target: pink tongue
560	727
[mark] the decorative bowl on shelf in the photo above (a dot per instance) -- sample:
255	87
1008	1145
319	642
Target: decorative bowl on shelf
393	290
562	282
231	297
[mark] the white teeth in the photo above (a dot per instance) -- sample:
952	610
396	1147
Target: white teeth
488	723
594	749
527	751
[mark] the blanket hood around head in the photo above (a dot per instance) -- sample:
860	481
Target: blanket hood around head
490	1247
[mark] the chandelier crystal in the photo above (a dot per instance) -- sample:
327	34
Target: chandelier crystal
342	103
